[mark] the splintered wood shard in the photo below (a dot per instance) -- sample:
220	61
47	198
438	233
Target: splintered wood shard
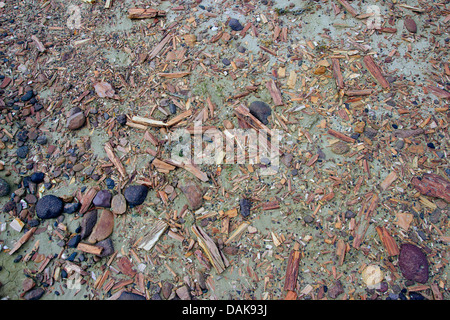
141	13
150	239
22	240
215	256
337	74
290	281
364	216
275	93
115	160
375	71
388	241
431	184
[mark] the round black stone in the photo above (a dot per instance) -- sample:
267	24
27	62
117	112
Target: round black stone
135	194
49	207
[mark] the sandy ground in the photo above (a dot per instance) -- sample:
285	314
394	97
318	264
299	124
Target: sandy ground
257	251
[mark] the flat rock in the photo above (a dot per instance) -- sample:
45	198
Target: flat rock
102	199
119	204
260	110
193	192
410	25
135	194
76	121
87	223
49	207
103	228
413	263
34	294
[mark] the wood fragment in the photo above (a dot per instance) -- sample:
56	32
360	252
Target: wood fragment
173	75
388	241
337	74
215	256
86	200
141	13
290	280
150	239
348	7
391	177
275	93
375	71
115	160
22	240
89	248
431	184
341	136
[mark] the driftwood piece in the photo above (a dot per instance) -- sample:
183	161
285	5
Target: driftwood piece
337	74
275	93
89	248
159	46
22	240
150	239
375	71
388	241
141	13
440	93
173	75
364	216
290	281
431	184
215	256
348	7
340	136
391	177
115	160
86	200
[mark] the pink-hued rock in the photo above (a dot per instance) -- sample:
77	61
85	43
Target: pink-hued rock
413	263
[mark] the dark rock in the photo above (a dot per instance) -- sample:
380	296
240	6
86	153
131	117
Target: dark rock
125	295
34	294
335	290
49	207
108	247
413	263
30	198
37	177
22	135
74	241
235	25
42	139
27	96
349	214
226	62
5	189
245	206
122	119
172	108
261	111
71	207
87	223
135	194
370	132
102	199
22	152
